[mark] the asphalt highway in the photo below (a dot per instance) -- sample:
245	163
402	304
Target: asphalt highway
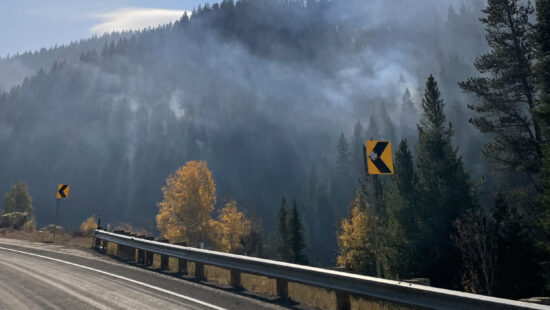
47	276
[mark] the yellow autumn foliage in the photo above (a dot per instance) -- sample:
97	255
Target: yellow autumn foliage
354	245
88	225
189	198
231	226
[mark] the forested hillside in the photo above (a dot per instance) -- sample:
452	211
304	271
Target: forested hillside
15	68
278	98
261	90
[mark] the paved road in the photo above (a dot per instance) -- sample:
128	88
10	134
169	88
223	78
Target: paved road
47	276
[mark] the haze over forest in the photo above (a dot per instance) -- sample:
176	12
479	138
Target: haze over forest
261	90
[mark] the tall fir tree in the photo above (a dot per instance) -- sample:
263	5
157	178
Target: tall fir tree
18	200
519	272
444	188
296	236
357	149
545	200
401	200
343	156
542	68
343	189
283	238
544	218
507	90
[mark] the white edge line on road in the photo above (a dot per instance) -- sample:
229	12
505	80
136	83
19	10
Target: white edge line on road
200	302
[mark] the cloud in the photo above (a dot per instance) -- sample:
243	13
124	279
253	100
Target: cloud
135	19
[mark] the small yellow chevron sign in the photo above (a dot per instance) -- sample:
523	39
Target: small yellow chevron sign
62	191
379	157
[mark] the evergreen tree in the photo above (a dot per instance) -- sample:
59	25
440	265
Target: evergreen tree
283	237
542	37
296	236
357	149
401	201
343	157
17	208
344	187
542	69
545	211
444	188
408	104
18	200
507	90
518	272
545	182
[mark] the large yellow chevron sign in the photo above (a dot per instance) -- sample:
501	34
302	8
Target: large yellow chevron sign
379	158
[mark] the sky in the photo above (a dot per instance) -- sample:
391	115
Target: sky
33	24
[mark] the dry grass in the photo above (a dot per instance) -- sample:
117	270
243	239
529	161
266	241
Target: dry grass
312	296
63	238
217	275
259	284
360	303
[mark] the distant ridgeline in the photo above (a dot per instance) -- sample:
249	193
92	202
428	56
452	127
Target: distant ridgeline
261	90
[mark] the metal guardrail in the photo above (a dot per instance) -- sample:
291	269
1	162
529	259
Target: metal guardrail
343	283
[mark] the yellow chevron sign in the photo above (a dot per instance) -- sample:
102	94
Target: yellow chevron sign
62	191
379	157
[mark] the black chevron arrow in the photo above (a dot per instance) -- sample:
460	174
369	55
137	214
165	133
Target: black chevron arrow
378	150
61	191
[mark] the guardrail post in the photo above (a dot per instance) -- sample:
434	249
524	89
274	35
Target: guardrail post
164	262
148	258
282	289
182	266
97	243
236	279
199	271
118	250
342	301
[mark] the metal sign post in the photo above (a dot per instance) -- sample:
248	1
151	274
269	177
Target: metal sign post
55	221
62	193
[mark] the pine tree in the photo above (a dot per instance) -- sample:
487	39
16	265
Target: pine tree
283	237
357	149
17	208
545	182
18	200
519	271
542	37
544	217
401	201
444	187
408	104
343	180
343	157
542	69
507	90
296	230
